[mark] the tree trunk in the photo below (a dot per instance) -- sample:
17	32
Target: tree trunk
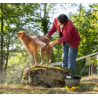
80	9
45	11
2	40
4	73
44	20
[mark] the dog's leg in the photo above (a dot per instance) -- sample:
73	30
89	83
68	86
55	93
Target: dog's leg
31	53
36	56
42	56
34	51
47	53
50	55
33	61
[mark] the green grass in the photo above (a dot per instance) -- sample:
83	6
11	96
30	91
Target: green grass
87	85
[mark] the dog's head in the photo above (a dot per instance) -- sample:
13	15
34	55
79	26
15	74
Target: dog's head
20	34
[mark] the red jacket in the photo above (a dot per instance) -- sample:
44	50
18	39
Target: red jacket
70	33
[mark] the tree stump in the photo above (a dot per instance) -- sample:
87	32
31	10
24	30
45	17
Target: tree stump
45	75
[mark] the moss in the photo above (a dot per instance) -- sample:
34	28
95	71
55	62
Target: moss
64	69
51	68
39	69
24	76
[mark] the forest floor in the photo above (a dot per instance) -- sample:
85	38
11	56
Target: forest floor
88	85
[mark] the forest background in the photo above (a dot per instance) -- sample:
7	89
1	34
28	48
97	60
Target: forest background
36	19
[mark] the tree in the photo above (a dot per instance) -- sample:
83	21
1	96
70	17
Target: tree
11	20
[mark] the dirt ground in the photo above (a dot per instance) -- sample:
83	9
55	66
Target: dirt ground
88	85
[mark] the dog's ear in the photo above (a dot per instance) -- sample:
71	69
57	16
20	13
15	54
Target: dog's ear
17	32
24	32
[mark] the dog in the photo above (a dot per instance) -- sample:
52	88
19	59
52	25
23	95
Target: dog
33	44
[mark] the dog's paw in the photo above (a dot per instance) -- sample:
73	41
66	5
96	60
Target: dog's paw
46	64
41	63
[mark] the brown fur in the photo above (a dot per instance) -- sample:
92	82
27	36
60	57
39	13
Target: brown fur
33	44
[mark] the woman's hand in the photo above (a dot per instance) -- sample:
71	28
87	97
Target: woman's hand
51	44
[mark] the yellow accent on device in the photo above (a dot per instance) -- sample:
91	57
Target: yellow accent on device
73	87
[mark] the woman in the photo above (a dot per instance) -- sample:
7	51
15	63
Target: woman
69	37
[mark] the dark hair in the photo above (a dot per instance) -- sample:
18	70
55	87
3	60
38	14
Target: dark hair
62	18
